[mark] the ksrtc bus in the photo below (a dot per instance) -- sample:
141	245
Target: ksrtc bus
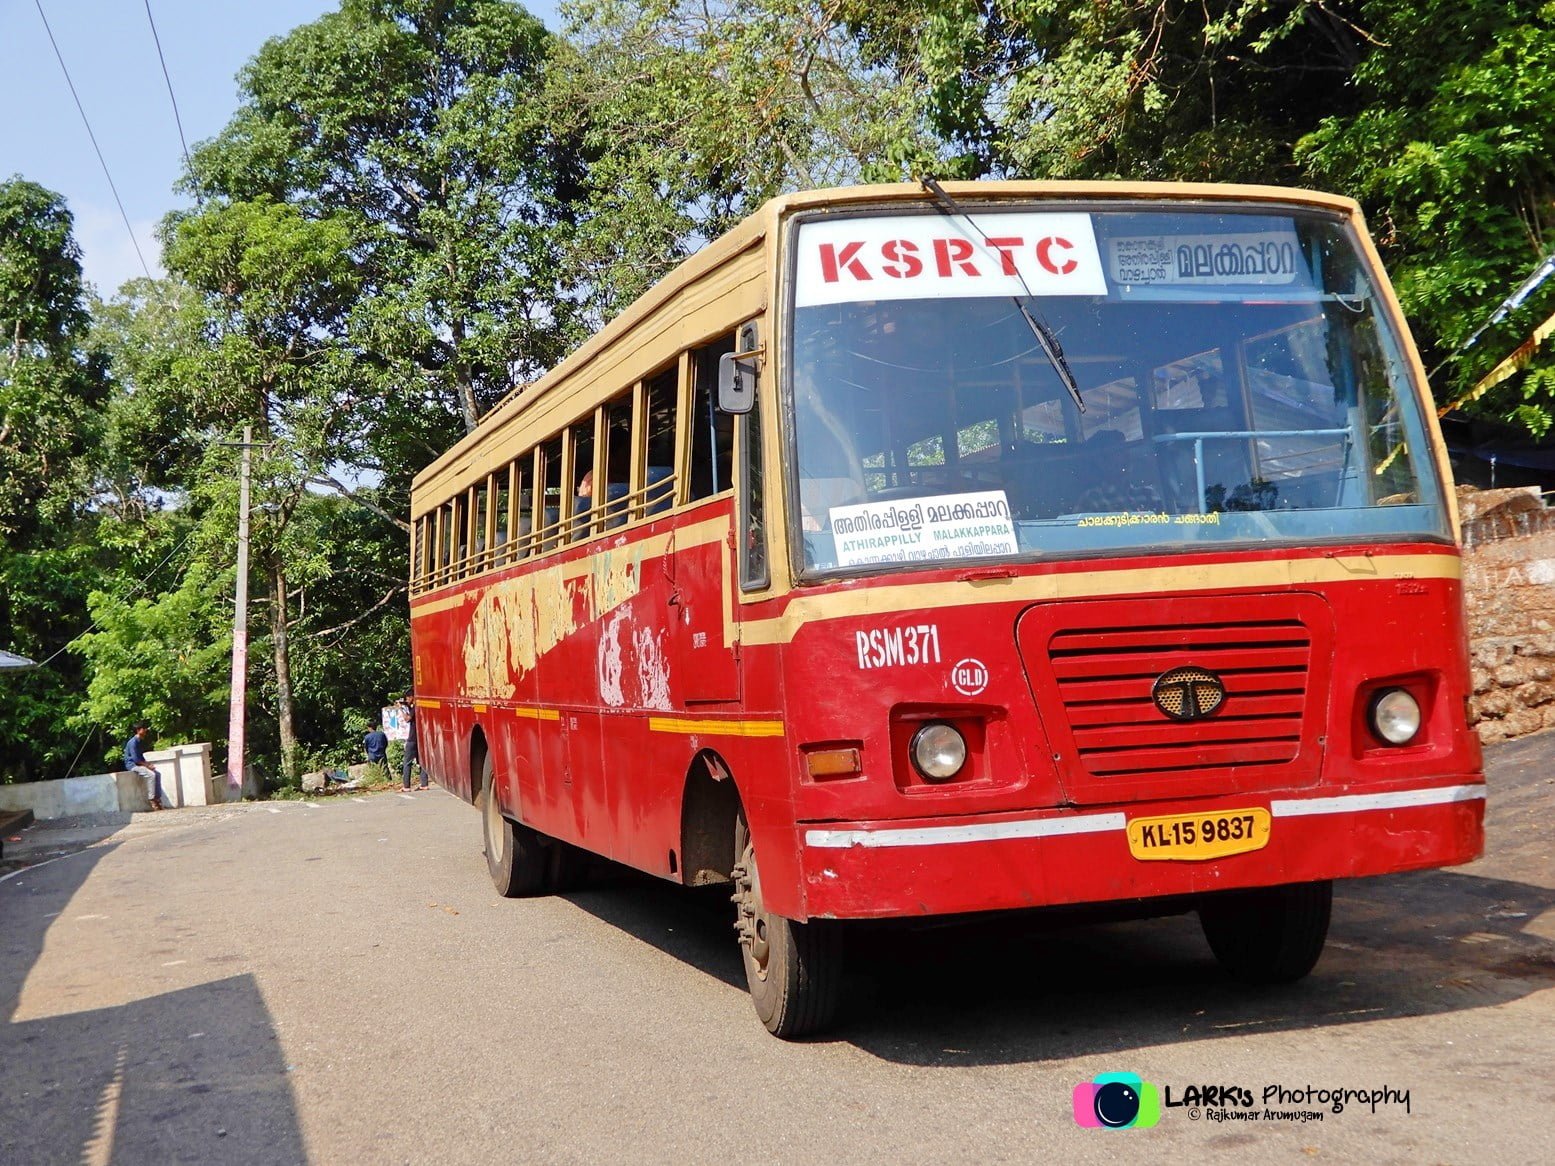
920	550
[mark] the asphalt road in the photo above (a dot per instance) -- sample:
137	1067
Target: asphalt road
286	983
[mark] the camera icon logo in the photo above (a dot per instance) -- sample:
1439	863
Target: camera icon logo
1116	1101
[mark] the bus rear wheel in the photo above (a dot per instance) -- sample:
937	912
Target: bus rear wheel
1269	935
519	864
794	969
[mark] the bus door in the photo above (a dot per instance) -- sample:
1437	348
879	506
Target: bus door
701	556
705	661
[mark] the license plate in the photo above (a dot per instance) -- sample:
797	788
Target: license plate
1195	837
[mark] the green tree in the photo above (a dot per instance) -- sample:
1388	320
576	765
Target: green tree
276	286
693	114
53	386
1437	115
419	123
1450	153
380	259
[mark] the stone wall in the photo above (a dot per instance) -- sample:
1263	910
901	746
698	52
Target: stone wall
1509	586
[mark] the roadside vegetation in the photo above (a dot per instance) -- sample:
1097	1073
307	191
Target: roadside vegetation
421	205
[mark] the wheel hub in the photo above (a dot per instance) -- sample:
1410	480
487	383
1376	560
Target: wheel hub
496	837
750	914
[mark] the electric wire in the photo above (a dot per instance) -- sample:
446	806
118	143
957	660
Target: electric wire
144	583
177	119
84	121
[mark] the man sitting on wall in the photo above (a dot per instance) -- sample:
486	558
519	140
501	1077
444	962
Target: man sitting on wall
135	762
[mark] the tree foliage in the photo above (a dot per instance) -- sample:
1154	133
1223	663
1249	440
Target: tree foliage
420	205
1450	151
53	385
417	124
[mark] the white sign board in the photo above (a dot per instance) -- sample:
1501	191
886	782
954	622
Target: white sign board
914	257
946	526
1261	258
396	722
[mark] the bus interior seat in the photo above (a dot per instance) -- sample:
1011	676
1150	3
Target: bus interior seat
1120	476
658	497
818	496
615	512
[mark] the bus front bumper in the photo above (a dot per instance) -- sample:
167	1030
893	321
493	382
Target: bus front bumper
935	866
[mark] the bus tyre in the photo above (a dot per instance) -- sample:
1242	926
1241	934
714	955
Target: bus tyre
564	866
1271	935
519	864
794	969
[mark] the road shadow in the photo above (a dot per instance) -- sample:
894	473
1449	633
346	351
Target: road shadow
693	924
1028	987
193	1075
1034	986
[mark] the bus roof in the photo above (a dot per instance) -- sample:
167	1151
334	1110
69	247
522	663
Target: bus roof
753	230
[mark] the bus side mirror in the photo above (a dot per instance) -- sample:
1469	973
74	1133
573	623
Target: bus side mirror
737	374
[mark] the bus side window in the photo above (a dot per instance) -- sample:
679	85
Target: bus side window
658	487
461	535
618	460
550	528
584	493
753	515
415	556
497	517
480	504
712	431
440	545
523	505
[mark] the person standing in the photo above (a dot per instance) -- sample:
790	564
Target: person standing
135	762
412	758
376	743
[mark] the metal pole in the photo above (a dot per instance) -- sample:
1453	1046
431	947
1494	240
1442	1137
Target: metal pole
238	707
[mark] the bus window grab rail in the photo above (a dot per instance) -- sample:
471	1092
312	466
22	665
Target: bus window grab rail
617	509
1201	436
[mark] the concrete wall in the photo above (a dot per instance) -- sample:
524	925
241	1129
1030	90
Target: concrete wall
97	794
186	781
186	775
1509	586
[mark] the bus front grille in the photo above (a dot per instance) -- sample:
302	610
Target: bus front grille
1106	678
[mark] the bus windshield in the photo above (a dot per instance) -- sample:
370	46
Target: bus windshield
1239	379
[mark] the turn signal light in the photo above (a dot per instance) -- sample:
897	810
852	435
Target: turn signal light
824	763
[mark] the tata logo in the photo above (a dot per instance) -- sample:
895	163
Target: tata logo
1188	694
944	257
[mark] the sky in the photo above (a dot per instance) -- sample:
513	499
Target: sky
111	56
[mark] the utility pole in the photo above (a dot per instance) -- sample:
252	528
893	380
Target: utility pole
237	711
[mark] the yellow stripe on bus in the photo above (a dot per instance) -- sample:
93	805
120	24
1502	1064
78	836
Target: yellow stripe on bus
715	728
537	714
429	704
886	599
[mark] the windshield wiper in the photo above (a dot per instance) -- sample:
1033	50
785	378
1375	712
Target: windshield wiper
1045	335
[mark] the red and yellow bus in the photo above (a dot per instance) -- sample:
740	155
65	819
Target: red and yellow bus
926	550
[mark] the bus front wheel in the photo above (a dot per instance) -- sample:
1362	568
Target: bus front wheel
1268	935
794	969
518	862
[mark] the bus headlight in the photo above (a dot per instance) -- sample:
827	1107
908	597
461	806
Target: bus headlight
1395	716
938	751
